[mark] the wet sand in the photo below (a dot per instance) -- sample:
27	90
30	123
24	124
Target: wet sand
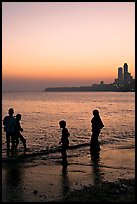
85	179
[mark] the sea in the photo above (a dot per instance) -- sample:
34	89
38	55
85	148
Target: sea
42	111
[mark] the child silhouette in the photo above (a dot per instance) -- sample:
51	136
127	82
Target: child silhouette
64	141
18	134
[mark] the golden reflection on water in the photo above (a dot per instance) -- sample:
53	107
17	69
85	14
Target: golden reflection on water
41	113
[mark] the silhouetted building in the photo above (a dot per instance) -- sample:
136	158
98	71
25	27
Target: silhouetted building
125	68
123	78
125	81
127	76
119	80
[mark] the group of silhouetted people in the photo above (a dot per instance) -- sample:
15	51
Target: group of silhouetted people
13	130
96	124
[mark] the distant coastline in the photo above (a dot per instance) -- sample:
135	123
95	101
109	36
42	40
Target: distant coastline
93	88
124	83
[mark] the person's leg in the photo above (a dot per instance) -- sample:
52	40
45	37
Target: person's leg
64	155
8	142
94	141
23	140
13	139
16	142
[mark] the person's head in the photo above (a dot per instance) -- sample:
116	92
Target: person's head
62	123
18	117
11	111
95	112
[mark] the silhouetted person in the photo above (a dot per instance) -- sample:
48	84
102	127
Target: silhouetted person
97	125
9	123
18	131
64	141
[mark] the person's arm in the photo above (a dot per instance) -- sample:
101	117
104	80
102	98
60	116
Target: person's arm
61	138
4	121
68	134
19	127
101	124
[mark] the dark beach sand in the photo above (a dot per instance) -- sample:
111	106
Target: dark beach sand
44	179
121	190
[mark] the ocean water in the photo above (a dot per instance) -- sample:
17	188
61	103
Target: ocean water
42	111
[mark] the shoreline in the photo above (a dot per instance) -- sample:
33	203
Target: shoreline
44	179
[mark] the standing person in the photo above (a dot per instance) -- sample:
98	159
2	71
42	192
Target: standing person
97	125
64	141
9	127
19	136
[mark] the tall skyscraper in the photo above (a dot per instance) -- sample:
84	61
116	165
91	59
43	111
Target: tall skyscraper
125	77
125	67
120	74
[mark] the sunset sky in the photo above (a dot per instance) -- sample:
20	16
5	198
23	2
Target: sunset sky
48	44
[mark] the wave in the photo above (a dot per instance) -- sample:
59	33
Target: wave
132	146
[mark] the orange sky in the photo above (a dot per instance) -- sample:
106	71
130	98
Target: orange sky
64	43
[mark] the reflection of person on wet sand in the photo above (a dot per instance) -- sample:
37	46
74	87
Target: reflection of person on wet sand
13	183
64	141
64	170
97	125
95	159
65	181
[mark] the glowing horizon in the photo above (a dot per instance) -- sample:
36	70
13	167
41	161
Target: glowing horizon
66	43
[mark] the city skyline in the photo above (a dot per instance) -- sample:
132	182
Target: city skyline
48	44
124	82
124	76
